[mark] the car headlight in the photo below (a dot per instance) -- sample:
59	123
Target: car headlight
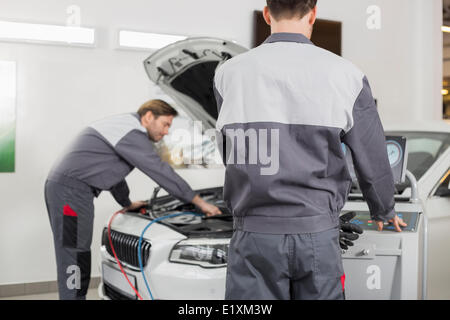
206	253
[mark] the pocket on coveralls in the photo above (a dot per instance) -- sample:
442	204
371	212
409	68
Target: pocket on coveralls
70	227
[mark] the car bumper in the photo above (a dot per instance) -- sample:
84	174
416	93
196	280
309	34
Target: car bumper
167	280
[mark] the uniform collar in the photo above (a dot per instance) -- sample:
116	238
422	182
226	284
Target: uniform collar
136	115
288	37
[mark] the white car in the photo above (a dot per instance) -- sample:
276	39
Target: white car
185	257
428	146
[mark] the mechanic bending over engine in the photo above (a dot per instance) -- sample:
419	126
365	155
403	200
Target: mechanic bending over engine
99	159
301	102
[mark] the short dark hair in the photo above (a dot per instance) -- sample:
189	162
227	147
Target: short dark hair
158	108
289	9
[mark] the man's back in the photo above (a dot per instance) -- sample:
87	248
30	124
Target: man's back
95	155
289	82
292	102
104	153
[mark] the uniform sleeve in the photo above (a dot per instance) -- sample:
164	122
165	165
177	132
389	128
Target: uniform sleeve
367	142
220	137
219	99
121	193
137	150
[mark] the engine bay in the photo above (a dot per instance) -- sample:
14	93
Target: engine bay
194	224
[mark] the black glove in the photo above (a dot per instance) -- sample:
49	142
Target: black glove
348	231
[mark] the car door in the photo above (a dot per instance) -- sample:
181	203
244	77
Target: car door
438	211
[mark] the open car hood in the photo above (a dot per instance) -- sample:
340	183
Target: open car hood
185	71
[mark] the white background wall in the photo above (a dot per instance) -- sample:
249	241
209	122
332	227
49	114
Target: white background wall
62	89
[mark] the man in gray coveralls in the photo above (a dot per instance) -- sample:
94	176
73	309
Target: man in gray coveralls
297	103
100	159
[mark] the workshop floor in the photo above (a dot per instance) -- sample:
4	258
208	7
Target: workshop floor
91	295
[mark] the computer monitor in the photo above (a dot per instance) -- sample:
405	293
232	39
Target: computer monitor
397	155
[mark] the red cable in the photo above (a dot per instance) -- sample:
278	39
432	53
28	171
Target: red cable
115	256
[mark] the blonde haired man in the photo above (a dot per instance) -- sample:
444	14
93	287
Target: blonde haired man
99	159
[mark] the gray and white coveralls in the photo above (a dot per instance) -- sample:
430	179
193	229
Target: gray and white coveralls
99	159
300	102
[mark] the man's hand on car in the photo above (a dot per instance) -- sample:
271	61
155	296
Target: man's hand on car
207	208
134	206
396	221
348	231
210	210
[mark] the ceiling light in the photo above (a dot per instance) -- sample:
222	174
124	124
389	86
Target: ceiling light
45	33
445	29
144	40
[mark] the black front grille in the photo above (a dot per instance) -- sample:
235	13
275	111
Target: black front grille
114	294
126	247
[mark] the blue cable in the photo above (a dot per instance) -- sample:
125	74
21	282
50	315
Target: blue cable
142	236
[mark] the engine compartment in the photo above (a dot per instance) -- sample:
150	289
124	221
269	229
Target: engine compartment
194	224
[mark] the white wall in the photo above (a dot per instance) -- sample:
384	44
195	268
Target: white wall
62	89
403	60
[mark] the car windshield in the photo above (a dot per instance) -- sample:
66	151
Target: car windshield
424	148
